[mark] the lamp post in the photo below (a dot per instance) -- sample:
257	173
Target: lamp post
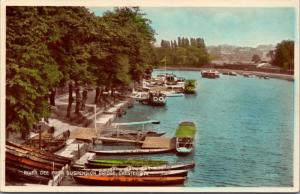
95	116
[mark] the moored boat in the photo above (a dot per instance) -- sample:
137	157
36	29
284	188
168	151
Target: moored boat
172	94
129	181
190	87
210	74
135	163
117	134
32	154
28	176
232	73
246	74
131	172
157	99
185	135
24	156
32	163
131	151
54	157
141	168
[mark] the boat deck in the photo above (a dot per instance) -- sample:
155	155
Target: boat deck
159	142
83	134
84	159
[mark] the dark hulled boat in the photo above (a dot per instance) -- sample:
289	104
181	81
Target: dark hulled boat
53	157
155	99
31	157
34	164
29	176
25	153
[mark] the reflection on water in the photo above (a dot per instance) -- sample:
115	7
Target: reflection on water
245	130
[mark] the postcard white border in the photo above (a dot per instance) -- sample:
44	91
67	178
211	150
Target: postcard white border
150	3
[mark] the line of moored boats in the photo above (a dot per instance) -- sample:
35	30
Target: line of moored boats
154	91
213	74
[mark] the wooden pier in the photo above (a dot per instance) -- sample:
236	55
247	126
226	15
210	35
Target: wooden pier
85	134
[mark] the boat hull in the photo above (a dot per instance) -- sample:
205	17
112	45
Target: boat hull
128	181
32	163
133	152
56	158
129	172
130	162
142	168
20	175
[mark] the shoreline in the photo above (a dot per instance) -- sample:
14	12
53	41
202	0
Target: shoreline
256	73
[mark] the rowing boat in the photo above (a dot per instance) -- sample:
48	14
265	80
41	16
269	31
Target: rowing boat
28	177
54	157
185	135
22	152
142	168
23	167
129	181
135	163
32	163
32	158
136	151
131	172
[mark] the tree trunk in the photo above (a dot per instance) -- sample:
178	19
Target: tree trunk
78	101
84	98
70	99
97	95
52	96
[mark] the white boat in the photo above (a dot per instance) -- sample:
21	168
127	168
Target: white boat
131	151
185	135
146	168
140	95
173	94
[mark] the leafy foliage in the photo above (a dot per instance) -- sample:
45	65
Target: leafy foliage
184	52
284	55
49	46
31	70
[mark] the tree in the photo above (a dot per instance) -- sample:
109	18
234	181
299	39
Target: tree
271	54
256	58
49	46
284	55
31	71
191	53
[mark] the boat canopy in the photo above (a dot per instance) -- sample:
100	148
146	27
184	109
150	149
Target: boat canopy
137	123
186	129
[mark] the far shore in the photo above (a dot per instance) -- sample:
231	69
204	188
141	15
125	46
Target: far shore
256	73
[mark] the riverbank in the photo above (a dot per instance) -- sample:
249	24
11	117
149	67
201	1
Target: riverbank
256	73
83	128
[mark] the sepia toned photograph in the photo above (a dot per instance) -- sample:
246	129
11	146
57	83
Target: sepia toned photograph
150	97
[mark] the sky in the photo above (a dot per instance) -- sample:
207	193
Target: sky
218	26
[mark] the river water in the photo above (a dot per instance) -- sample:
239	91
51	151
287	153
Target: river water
245	130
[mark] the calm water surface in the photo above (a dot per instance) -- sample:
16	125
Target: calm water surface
245	130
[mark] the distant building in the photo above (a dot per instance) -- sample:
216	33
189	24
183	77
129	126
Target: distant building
266	66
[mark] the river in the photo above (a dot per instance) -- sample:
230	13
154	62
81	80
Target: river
245	130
